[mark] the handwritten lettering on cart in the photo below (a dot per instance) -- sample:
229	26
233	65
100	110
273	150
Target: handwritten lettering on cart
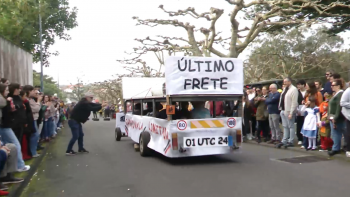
207	66
167	147
159	130
133	124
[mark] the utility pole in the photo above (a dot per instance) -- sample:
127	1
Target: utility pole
41	53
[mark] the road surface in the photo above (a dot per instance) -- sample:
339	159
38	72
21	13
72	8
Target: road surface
115	169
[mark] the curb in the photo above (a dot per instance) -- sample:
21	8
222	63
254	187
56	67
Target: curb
17	189
297	149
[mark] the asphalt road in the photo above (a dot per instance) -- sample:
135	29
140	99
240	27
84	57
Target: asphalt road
115	169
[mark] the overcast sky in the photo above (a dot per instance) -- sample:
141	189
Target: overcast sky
106	30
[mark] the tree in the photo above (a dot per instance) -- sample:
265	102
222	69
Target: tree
338	15
19	23
109	90
143	70
79	89
263	16
294	54
51	86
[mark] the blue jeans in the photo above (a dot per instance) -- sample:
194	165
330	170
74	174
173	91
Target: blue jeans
288	128
34	139
77	134
47	128
336	134
8	136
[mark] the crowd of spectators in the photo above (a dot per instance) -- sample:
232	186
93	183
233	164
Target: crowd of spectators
319	116
27	119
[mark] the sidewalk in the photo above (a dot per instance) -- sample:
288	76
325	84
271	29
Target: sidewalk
297	148
16	189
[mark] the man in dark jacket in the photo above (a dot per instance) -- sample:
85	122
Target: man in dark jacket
80	114
272	102
327	86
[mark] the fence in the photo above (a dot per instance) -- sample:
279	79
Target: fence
15	63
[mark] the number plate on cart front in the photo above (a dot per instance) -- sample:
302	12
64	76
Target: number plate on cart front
190	142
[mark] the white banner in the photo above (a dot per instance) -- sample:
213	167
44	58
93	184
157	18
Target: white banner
134	87
203	75
120	122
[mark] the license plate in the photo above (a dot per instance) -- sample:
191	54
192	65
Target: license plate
192	142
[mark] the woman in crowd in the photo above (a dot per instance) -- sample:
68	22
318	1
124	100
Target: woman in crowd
337	120
247	116
55	116
35	106
262	116
19	114
311	90
5	81
49	110
7	120
27	129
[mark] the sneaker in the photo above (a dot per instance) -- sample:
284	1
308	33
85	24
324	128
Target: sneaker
10	180
332	153
37	155
300	143
290	144
70	153
249	136
3	187
83	151
26	168
348	154
58	128
302	147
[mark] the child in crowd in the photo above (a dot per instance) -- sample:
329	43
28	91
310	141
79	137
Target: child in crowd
312	117
325	129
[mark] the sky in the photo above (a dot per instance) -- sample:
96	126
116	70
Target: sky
106	30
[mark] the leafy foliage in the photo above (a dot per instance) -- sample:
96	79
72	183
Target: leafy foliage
79	89
296	55
338	15
109	90
50	86
19	23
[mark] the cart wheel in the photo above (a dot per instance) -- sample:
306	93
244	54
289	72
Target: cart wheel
144	140
118	134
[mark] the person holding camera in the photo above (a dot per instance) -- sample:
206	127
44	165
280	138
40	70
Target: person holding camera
80	114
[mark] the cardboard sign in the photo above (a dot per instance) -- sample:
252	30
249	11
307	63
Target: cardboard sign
170	109
203	75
